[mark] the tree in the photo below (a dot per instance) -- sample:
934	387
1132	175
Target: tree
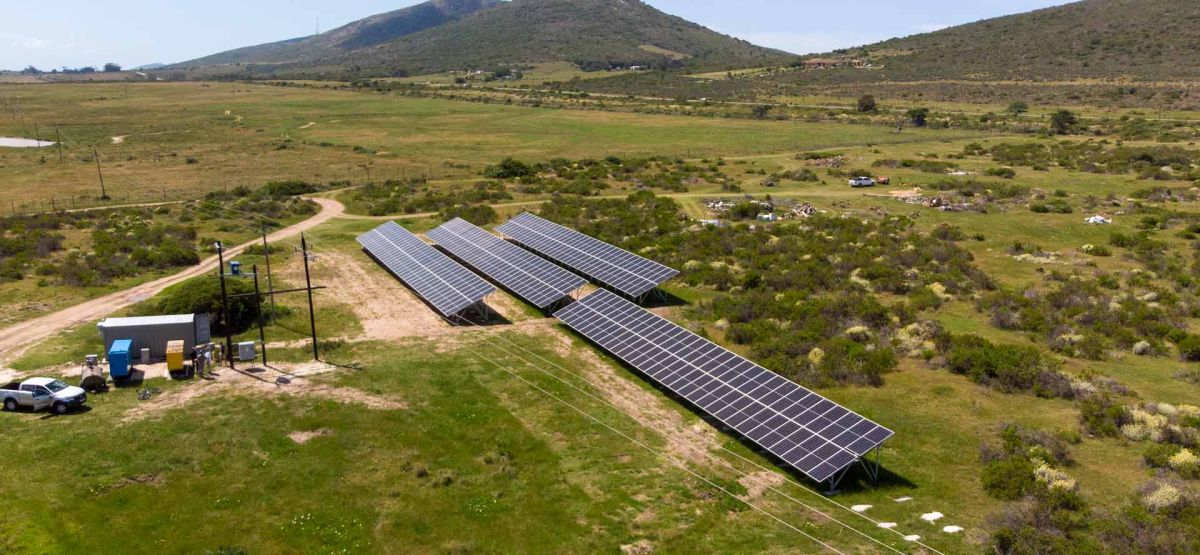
202	295
761	111
1063	121
1018	107
111	67
866	103
918	116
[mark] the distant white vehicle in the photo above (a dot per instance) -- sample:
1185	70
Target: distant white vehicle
42	393
862	182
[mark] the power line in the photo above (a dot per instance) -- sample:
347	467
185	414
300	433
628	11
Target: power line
641	444
723	448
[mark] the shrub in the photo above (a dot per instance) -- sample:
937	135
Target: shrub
1102	416
1008	479
478	214
1006	173
1189	348
1056	206
508	168
202	295
290	188
1009	368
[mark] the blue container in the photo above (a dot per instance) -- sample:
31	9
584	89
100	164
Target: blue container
235	267
118	359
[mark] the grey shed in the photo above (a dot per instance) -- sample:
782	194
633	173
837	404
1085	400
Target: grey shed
153	332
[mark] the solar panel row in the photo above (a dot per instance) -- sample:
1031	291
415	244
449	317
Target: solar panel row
530	276
622	270
441	281
816	436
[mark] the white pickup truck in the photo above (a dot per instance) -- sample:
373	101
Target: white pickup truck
42	393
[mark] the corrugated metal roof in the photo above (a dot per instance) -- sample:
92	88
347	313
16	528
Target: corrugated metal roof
147	321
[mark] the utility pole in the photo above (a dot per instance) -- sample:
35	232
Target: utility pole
58	135
267	254
225	305
103	192
258	305
312	316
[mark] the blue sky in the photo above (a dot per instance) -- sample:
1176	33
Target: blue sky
134	32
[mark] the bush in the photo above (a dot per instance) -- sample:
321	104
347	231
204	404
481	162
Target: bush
1102	416
290	188
479	214
1189	348
1008	479
508	168
202	295
1056	206
1009	368
1006	173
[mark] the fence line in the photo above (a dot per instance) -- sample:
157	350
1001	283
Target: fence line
58	203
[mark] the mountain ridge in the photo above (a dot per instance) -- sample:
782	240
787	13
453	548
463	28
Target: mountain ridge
595	34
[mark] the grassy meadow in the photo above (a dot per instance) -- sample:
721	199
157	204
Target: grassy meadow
166	141
519	439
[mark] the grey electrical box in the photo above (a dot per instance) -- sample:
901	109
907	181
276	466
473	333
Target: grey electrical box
246	351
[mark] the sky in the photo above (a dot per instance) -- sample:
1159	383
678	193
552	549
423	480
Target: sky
134	32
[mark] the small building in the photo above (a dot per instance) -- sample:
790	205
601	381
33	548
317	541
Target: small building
155	332
822	63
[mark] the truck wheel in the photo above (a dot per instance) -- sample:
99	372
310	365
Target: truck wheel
10	404
59	408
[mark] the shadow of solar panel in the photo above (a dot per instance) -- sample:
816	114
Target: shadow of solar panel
528	275
617	268
812	434
443	283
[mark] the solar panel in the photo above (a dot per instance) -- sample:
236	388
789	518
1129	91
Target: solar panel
530	276
620	269
812	434
444	283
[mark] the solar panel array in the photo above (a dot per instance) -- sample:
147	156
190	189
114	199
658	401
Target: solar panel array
438	279
530	276
816	436
620	269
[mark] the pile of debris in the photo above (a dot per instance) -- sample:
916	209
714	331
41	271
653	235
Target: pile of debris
832	162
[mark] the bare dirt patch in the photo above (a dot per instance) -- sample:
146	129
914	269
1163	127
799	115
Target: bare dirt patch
304	437
692	443
758	483
384	306
307	125
640	547
281	379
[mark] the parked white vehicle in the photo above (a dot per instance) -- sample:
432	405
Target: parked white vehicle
862	182
42	393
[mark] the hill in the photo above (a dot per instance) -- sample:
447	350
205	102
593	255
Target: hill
485	34
1140	39
364	33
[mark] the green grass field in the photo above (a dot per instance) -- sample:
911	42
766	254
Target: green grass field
175	138
522	439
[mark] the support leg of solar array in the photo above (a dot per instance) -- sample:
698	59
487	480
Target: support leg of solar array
836	480
872	466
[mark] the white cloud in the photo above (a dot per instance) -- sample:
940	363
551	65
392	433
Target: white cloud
809	43
24	42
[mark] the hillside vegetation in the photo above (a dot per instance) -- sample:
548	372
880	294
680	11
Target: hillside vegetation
1139	39
595	34
364	33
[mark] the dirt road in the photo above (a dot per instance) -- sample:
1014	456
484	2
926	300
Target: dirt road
15	340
